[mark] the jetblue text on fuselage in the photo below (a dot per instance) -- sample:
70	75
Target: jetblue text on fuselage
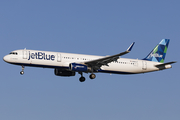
41	56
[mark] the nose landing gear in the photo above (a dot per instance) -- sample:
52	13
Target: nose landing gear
22	72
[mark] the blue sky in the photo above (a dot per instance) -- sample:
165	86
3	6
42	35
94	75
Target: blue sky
89	27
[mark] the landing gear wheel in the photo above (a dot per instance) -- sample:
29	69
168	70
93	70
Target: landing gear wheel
92	76
82	79
22	72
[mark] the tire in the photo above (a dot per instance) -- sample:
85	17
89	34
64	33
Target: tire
82	79
92	76
22	72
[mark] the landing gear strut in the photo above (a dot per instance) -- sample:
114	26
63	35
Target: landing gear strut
82	79
22	72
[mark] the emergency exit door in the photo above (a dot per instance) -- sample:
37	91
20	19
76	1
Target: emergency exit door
59	57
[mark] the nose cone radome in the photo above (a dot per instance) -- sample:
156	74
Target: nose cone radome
5	58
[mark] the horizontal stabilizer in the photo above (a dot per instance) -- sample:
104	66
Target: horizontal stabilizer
165	64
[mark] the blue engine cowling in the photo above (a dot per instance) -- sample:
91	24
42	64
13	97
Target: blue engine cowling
78	67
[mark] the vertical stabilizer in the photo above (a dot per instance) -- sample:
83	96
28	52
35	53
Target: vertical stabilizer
159	52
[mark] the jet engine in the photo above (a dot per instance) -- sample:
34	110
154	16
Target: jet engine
64	72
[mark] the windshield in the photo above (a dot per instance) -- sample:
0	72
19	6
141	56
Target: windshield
13	53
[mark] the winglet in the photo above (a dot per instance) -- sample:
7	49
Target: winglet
130	47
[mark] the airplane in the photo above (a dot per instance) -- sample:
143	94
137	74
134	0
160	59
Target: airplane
68	64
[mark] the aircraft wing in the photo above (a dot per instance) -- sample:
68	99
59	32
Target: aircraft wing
96	64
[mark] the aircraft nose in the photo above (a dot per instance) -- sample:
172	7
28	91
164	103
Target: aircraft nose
5	58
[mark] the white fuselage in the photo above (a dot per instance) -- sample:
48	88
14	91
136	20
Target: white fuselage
48	59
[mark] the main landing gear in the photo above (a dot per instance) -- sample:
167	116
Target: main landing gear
92	76
22	72
82	78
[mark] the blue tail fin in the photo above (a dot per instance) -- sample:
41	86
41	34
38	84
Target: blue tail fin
159	52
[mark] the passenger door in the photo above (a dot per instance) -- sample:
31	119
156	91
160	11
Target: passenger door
24	54
144	65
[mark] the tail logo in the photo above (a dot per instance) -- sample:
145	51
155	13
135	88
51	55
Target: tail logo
159	52
155	55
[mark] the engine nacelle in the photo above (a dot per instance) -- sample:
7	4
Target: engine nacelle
63	72
79	67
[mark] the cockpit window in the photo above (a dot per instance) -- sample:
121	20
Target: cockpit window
13	53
